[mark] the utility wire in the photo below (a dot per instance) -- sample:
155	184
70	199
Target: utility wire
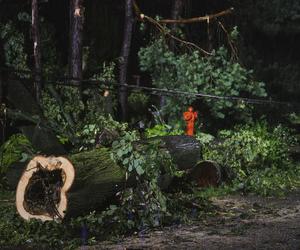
75	82
172	92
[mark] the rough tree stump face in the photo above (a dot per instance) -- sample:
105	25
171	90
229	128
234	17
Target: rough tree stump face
42	189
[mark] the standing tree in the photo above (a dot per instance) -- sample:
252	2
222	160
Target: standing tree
76	28
123	96
36	49
176	12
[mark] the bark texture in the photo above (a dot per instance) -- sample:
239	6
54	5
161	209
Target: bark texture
96	182
210	174
85	182
206	174
76	28
36	49
124	59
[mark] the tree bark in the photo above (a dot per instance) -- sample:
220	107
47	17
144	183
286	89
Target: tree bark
2	117
36	49
85	182
124	58
76	29
1	87
206	173
184	150
210	174
94	178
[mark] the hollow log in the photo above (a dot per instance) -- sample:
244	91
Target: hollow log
55	188
61	187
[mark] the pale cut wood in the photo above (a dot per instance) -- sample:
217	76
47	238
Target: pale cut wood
50	164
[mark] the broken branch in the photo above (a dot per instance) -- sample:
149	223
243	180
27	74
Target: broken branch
164	31
198	19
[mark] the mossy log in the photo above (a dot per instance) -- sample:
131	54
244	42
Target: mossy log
59	187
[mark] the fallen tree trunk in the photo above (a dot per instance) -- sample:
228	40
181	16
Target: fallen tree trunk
59	187
209	174
185	150
206	173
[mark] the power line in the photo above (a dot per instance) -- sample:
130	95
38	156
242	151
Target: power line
74	82
172	92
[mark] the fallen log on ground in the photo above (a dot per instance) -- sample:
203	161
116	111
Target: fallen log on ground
59	187
185	150
206	173
209	174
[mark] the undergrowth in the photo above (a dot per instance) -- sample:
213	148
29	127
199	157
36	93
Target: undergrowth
258	156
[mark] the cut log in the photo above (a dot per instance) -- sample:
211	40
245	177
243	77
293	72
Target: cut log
59	187
42	189
185	150
206	174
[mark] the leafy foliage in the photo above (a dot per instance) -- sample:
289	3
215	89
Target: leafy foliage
78	122
281	17
15	56
16	148
138	103
147	163
259	158
162	129
190	72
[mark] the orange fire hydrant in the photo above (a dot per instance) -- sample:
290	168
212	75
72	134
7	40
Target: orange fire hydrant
190	117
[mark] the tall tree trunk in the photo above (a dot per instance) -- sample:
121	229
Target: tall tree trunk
124	58
2	116
176	12
36	49
1	86
76	28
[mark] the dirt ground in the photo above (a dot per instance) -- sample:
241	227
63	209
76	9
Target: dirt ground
240	222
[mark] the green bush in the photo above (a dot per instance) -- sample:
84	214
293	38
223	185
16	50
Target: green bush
190	72
162	130
79	124
259	157
147	162
16	148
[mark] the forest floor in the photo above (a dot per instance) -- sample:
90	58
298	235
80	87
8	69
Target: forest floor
239	222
